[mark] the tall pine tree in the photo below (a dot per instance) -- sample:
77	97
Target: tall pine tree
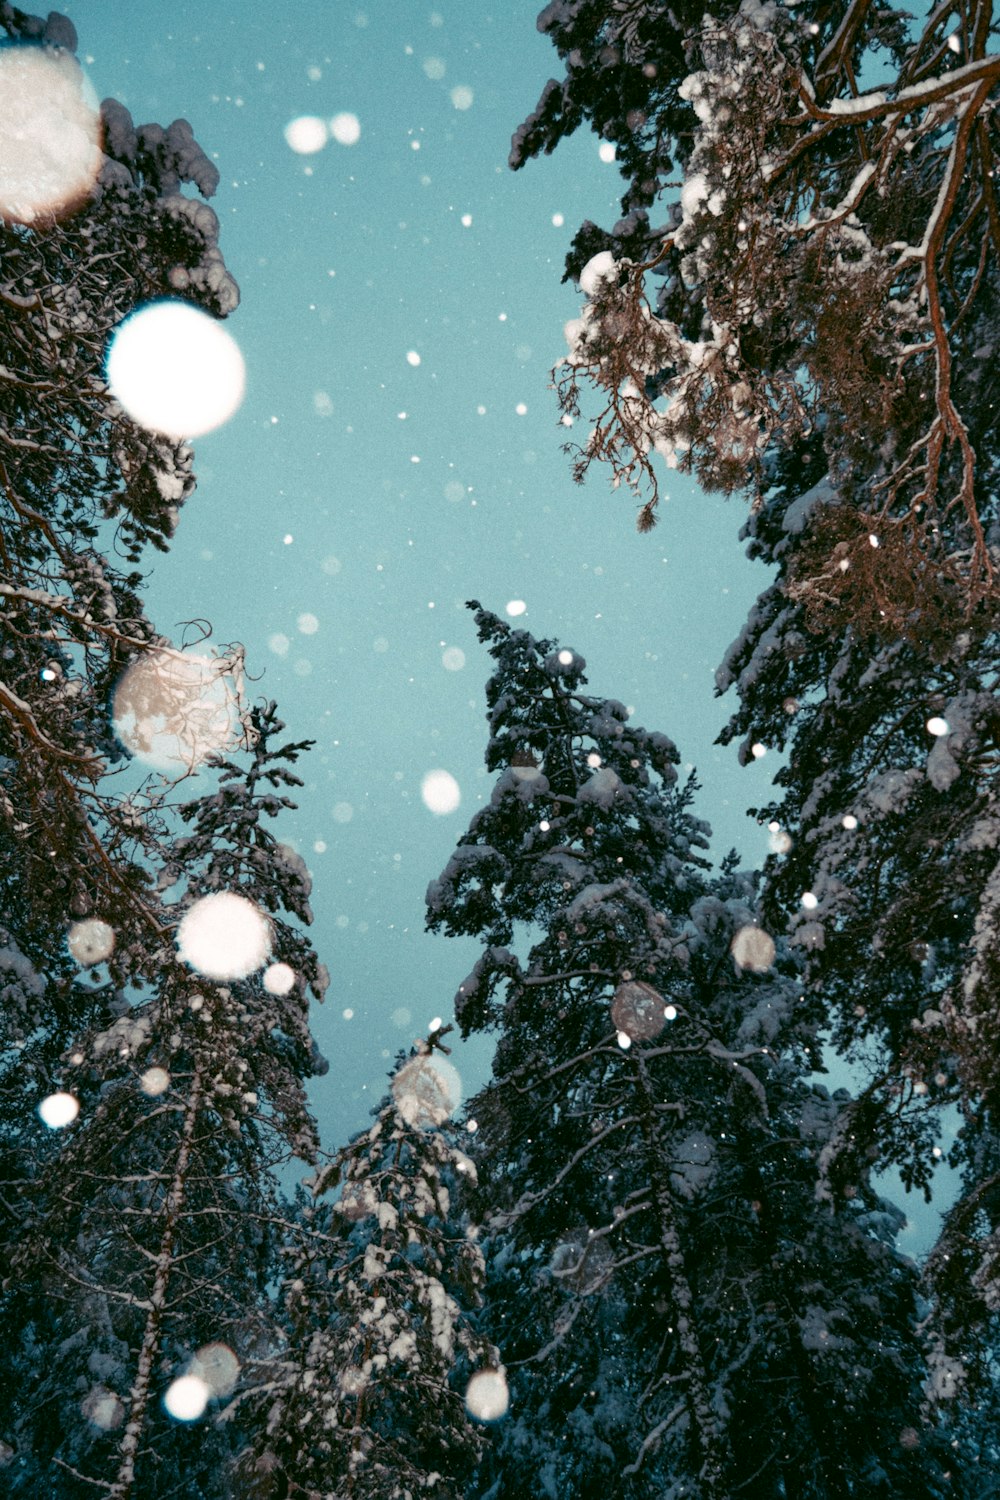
136	1237
684	1303
365	1398
812	319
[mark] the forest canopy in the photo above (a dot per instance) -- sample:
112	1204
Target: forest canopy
652	1256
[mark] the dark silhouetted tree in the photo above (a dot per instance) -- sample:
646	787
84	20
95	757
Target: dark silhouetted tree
801	302
366	1398
136	1242
684	1301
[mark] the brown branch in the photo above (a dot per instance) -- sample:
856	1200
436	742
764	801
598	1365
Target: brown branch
983	70
950	425
838	49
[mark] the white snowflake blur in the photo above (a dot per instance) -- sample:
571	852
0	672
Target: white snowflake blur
186	1398
427	1090
59	1110
176	370
753	948
50	150
224	936
173	709
440	792
91	941
487	1397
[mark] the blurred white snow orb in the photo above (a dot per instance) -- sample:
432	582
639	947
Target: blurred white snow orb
637	1011
175	370
173	709
937	726
103	1409
224	936
59	1110
186	1397
427	1090
753	949
606	151
306	135
217	1366
345	129
279	979
516	606
50	150
440	791
91	941
413	358
453	659
154	1082
462	96
487	1397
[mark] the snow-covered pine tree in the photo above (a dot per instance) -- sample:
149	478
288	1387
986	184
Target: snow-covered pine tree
812	318
684	1306
366	1399
830	260
138	1239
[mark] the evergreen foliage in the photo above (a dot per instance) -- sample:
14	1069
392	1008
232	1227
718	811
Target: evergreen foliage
366	1399
812	318
684	1265
682	1300
141	1237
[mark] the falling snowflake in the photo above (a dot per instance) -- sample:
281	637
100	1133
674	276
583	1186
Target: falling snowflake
427	1090
173	709
487	1397
186	1397
50	150
306	135
440	792
91	942
224	936
59	1110
279	979
753	948
175	369
345	129
637	1011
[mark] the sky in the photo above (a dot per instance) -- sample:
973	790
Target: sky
398	452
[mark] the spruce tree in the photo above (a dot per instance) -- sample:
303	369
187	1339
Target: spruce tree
811	320
136	1238
684	1303
366	1397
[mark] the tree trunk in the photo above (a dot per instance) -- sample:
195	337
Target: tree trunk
121	1489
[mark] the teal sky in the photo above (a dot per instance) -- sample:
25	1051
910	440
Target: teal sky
338	538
